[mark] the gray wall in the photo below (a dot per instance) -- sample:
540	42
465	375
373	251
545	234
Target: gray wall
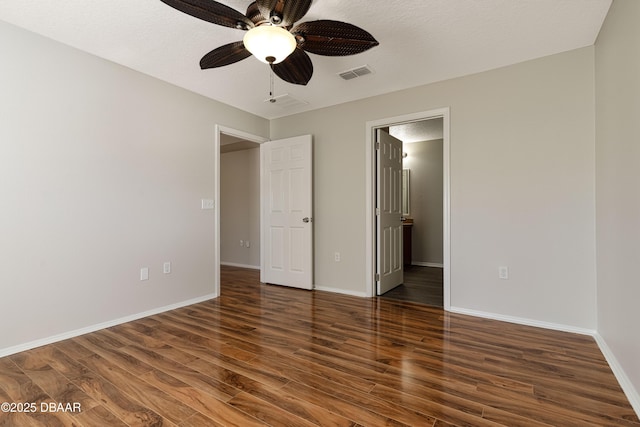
101	173
240	207
424	160
618	184
522	187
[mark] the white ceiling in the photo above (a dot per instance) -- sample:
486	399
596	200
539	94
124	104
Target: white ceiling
423	130
421	41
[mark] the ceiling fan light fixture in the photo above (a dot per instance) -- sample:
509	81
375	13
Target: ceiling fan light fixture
274	36
269	43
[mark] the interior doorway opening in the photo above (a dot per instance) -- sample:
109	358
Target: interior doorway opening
239	203
428	257
278	215
229	140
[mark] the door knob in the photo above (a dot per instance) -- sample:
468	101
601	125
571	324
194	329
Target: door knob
306	219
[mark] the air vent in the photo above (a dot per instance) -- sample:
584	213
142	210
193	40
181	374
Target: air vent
285	101
356	72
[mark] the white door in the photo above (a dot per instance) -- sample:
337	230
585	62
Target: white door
389	212
287	223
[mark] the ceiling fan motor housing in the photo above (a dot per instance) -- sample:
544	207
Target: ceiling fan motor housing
275	18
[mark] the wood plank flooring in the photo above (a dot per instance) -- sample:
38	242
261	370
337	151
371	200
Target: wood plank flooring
421	284
268	355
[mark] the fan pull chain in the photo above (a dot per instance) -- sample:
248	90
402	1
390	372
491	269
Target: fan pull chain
271	83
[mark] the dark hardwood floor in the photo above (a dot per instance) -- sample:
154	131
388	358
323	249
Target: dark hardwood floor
268	355
421	284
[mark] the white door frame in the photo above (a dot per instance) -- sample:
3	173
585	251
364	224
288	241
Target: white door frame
370	169
219	129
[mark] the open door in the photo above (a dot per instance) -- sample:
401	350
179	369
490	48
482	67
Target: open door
389	212
287	223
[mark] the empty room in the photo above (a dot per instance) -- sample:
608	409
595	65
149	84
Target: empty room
206	205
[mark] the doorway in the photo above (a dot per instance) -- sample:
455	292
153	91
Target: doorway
429	268
422	195
239	203
283	209
225	136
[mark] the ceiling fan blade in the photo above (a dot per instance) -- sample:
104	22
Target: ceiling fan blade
296	69
224	55
212	11
266	6
333	38
255	14
289	11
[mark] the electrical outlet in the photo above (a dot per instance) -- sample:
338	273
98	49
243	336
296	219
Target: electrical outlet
242	243
336	256
503	273
207	204
144	273
166	267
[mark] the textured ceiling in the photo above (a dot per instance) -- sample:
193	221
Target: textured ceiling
421	41
423	130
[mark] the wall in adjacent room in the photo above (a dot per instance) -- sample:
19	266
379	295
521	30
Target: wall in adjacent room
240	208
424	161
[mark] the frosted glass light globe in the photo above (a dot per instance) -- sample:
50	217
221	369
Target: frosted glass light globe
270	44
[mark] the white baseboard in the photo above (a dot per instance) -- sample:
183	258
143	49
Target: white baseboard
340	291
233	264
427	264
624	381
523	321
77	332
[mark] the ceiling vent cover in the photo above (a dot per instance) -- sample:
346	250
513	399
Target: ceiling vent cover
356	72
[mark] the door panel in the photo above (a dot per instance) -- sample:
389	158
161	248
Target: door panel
389	212
276	246
287	188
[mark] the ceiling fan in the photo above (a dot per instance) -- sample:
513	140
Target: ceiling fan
272	37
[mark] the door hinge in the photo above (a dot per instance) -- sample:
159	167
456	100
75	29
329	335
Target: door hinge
377	277
377	145
378	211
